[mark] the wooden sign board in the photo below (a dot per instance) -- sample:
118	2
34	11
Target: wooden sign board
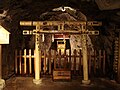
4	36
61	75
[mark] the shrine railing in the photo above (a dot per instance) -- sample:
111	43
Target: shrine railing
24	61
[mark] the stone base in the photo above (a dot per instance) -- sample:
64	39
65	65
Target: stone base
2	83
37	81
86	82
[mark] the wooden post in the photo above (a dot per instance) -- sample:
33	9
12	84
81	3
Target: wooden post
80	62
16	67
49	62
20	62
65	60
89	60
99	60
55	60
59	63
44	61
85	60
25	62
30	62
2	81
37	60
75	54
104	56
70	59
94	61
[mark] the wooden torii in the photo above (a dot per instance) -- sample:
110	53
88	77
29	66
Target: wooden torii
79	28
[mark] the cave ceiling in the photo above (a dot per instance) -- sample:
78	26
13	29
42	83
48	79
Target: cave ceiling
107	11
102	10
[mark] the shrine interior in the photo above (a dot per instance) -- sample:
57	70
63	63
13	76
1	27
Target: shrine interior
86	30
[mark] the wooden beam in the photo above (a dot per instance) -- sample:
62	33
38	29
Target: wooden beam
34	23
67	32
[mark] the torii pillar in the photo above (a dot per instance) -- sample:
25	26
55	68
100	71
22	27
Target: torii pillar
85	60
37	61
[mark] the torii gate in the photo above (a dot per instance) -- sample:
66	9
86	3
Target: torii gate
80	28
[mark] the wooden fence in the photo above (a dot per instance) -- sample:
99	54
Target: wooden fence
24	61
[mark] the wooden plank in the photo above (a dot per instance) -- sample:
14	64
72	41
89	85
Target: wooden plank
65	60
80	54
50	62
45	61
20	62
48	23
70	58
40	55
34	62
75	53
95	61
104	59
25	61
99	65
89	61
55	60
61	75
16	66
30	62
59	62
63	32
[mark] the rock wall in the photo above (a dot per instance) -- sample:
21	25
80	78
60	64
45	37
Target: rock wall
18	10
68	15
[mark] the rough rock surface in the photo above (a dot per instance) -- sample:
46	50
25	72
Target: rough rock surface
31	10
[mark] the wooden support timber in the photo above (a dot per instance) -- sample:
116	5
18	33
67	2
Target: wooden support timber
41	23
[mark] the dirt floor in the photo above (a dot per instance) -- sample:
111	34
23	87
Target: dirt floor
26	83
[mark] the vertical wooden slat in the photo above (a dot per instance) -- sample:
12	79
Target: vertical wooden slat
94	61
40	58
65	60
34	62
70	59
20	63
99	59
54	60
49	62
16	67
25	59
30	63
80	62
104	56
75	52
89	61
44	61
59	63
